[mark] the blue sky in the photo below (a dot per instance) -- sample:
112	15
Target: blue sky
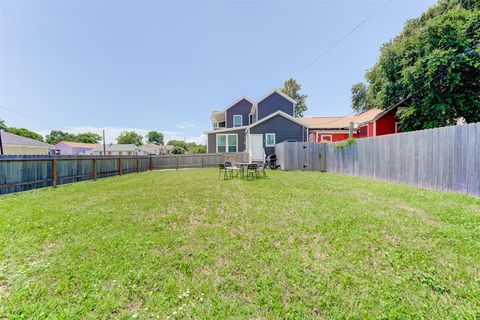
165	65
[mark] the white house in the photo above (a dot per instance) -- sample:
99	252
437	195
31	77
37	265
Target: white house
118	150
153	149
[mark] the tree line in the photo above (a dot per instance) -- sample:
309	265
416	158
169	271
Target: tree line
125	137
431	69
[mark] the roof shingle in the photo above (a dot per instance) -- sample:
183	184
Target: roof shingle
10	139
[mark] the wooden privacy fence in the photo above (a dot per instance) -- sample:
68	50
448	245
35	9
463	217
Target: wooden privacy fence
19	173
444	159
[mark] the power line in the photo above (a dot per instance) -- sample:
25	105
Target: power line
30	117
345	36
468	50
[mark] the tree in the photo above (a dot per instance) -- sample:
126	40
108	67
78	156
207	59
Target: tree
154	137
178	150
24	133
56	136
432	67
181	146
88	137
291	88
3	126
130	137
178	143
192	147
359	97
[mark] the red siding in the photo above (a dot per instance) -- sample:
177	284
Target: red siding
370	129
333	137
386	124
383	125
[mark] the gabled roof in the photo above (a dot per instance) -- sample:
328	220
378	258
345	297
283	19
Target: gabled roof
10	139
231	105
80	144
226	129
280	93
282	114
255	105
344	122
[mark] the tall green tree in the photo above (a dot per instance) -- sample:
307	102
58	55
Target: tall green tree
130	137
88	137
24	133
181	146
56	136
432	67
155	137
359	97
292	89
178	143
196	148
178	150
3	126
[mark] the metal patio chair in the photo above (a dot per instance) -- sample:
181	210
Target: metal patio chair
229	170
221	168
251	170
261	170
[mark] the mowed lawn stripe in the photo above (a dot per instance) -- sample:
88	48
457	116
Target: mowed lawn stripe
184	244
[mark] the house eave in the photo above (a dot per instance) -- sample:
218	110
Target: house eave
226	130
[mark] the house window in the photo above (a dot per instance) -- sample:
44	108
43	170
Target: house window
227	143
269	139
327	138
237	120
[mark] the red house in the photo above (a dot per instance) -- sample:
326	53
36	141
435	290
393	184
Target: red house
371	123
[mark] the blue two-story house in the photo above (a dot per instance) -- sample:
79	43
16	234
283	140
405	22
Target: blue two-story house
256	126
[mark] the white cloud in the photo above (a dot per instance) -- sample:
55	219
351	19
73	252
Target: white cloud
111	133
185	125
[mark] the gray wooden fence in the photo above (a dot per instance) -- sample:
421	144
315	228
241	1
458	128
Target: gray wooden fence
444	159
19	173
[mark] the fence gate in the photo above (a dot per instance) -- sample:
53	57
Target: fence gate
301	155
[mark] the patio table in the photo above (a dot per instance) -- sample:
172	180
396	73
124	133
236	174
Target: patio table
242	166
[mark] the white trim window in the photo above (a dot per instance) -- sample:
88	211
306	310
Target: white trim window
269	139
327	138
237	120
227	143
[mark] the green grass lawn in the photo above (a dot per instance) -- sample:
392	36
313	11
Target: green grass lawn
183	244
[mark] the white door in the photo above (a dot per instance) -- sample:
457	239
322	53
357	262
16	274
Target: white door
256	147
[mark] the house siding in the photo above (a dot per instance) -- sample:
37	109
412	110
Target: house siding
283	128
272	104
25	150
68	150
243	107
212	140
386	124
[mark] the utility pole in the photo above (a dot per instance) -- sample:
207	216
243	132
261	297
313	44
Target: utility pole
104	147
350	130
1	143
